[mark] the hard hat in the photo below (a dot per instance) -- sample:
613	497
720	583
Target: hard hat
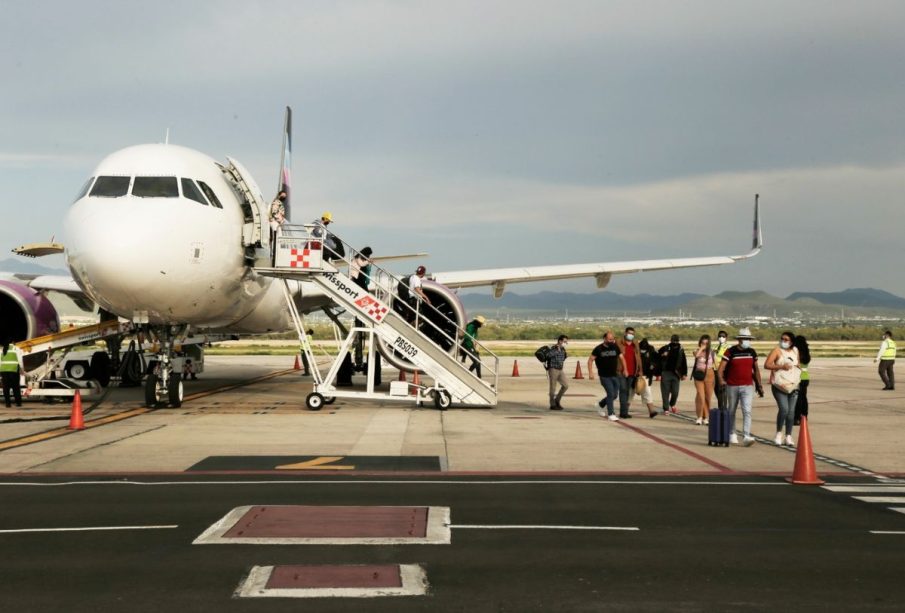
480	319
327	216
420	270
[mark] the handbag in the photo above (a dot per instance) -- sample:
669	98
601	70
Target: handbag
640	385
698	375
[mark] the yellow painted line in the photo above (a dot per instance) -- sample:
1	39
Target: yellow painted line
109	419
321	463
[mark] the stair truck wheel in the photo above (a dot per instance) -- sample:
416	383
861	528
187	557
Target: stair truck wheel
314	401
442	400
329	399
175	391
77	370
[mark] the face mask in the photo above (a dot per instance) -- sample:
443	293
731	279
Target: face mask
746	344
722	339
629	337
565	343
785	344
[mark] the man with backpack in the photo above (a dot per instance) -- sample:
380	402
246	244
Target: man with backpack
554	359
674	368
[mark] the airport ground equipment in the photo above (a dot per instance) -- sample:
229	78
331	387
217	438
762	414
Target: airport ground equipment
57	346
420	333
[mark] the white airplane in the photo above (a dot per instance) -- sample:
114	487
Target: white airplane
166	237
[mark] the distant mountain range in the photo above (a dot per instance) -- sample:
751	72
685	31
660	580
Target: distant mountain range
27	265
866	301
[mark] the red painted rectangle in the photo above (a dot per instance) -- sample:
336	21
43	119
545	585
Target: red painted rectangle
330	522
309	576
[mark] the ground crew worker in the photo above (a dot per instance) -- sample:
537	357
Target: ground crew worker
722	344
10	367
333	249
887	358
471	334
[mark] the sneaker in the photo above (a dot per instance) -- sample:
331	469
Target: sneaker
613	418
789	441
626	416
778	438
698	421
733	439
706	422
652	414
602	414
673	410
748	441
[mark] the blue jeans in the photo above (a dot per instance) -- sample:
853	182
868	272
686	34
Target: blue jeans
611	385
786	405
743	394
626	391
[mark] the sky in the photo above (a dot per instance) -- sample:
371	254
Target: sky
495	133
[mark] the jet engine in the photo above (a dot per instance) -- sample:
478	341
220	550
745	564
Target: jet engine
24	314
449	317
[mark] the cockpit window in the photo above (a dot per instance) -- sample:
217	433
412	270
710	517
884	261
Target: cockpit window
155	187
210	194
110	187
191	191
84	189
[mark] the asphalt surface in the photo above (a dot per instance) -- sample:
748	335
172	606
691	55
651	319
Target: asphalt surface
702	545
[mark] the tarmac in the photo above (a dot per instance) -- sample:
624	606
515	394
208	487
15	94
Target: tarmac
254	406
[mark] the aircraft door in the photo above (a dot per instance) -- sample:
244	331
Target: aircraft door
254	206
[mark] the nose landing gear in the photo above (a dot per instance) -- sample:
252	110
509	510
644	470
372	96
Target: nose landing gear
163	385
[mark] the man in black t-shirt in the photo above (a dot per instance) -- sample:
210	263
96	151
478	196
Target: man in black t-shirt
607	358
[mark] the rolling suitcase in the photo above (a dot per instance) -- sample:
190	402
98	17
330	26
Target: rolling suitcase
718	431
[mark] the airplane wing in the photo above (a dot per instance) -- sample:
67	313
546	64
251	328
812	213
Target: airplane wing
499	278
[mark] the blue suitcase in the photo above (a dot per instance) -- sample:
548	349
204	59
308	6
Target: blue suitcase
718	431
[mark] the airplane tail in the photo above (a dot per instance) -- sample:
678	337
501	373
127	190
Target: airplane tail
285	182
758	240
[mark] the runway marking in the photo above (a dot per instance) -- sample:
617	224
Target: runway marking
116	417
410	580
679	448
881	499
545	527
887	531
321	463
450	482
886	489
897	509
88	529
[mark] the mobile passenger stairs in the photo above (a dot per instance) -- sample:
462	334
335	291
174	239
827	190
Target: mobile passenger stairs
420	333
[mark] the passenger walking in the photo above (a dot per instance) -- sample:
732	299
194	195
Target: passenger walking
804	357
648	368
629	374
785	377
468	343
607	358
416	289
556	359
10	368
673	368
360	268
703	376
741	376
887	358
277	216
722	344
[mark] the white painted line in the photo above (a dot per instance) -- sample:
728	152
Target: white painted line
437	533
881	499
887	531
867	489
897	509
414	583
88	529
449	482
546	527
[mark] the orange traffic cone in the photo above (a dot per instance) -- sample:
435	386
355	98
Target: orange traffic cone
515	369
805	472
76	419
298	364
402	375
578	374
416	381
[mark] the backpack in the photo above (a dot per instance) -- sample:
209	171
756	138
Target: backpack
543	354
402	290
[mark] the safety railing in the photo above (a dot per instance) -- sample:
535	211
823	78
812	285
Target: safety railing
309	247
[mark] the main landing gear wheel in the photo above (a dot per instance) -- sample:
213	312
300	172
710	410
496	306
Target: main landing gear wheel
151	397
175	391
315	401
442	399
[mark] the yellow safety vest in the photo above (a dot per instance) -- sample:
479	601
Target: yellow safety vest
890	353
719	353
10	361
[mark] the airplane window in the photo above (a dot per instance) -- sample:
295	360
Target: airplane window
190	190
210	194
155	187
84	189
110	187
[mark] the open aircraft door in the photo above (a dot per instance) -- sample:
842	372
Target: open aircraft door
254	206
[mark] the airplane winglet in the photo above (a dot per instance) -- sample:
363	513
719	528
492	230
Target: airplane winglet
757	242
